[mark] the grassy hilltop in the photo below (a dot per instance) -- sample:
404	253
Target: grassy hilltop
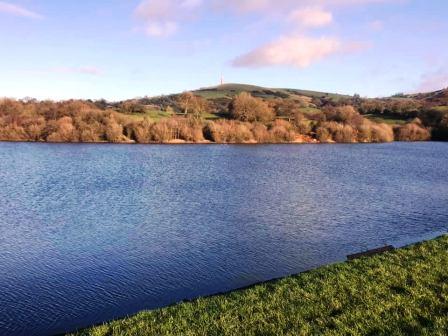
404	292
231	90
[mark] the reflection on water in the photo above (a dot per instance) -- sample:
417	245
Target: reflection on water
93	232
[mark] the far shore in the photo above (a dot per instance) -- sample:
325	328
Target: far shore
207	142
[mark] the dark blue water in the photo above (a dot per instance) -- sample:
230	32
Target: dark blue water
89	233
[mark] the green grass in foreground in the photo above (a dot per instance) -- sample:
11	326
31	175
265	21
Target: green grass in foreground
404	292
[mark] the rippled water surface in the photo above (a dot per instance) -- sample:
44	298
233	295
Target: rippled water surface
89	233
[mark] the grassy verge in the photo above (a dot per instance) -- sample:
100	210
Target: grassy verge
404	292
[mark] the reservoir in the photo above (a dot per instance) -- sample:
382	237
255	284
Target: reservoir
89	233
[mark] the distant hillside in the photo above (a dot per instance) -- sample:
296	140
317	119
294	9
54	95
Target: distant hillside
395	110
228	91
439	97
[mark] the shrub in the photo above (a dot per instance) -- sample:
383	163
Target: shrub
412	132
190	129
89	134
344	134
282	131
372	132
260	133
64	131
244	107
344	114
323	134
335	131
13	132
382	133
142	131
228	131
302	124
114	131
365	132
161	132
35	128
211	132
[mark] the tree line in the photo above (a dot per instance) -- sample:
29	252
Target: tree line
244	119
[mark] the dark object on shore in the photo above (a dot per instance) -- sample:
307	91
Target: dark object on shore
371	252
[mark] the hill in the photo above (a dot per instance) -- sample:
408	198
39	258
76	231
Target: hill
396	110
437	98
228	91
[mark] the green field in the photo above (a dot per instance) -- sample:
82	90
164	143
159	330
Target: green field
157	115
385	119
404	292
441	108
154	115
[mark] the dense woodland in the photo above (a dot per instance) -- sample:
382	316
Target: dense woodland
230	114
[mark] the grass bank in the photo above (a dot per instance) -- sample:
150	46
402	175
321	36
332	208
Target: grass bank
404	292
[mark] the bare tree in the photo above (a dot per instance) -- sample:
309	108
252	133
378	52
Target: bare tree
244	107
186	101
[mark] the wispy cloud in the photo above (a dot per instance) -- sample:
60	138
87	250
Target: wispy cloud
298	52
294	47
301	50
311	17
434	80
11	9
162	18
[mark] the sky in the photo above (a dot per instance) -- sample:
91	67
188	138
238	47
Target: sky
122	49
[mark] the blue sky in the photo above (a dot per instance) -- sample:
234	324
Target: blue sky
117	49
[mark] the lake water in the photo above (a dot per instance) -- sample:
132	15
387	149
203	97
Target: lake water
89	233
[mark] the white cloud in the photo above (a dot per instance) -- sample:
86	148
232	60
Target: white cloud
292	50
9	8
300	52
162	18
311	17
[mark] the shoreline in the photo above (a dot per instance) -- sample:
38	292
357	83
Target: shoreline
203	143
334	269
